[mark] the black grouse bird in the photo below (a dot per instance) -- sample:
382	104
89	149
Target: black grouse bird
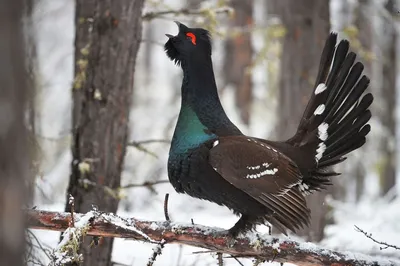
262	180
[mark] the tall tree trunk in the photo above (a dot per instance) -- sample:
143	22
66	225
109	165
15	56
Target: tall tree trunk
14	148
238	57
108	35
307	25
362	18
388	92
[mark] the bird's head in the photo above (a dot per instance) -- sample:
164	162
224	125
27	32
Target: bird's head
187	43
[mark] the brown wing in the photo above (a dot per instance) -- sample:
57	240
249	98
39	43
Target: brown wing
265	174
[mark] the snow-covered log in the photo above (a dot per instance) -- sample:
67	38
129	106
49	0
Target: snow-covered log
213	239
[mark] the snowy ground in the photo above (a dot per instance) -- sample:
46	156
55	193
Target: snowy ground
153	117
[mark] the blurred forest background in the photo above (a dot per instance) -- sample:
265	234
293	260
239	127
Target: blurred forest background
265	54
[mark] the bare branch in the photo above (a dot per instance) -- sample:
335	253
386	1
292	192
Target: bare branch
147	184
214	239
238	261
148	141
383	244
71	202
186	11
166	208
156	252
139	145
220	259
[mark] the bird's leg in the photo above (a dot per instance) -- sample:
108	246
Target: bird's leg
242	225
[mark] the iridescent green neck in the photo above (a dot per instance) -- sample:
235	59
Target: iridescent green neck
189	132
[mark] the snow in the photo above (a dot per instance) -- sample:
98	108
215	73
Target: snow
378	217
71	240
123	224
154	111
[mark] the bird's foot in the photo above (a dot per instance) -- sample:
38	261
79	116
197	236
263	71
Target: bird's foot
228	235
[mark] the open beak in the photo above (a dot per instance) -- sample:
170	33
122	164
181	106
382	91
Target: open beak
180	26
178	23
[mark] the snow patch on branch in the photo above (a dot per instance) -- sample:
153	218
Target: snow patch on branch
67	250
125	224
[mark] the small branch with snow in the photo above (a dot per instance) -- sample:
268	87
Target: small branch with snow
71	202
213	239
67	250
384	245
156	252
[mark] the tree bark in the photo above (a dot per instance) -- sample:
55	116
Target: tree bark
108	35
307	26
388	93
362	22
238	58
14	148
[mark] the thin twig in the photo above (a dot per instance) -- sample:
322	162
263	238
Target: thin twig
384	244
114	192
71	201
220	260
147	184
139	145
156	252
184	11
166	207
45	250
238	261
148	141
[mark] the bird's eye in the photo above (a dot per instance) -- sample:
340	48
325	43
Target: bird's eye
190	36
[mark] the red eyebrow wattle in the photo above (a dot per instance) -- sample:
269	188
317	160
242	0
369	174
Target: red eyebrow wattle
192	36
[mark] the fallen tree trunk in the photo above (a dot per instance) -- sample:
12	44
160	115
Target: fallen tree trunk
213	239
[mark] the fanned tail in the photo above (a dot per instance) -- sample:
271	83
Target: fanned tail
335	120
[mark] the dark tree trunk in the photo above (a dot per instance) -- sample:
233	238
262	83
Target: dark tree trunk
14	148
108	35
238	58
307	27
388	114
362	19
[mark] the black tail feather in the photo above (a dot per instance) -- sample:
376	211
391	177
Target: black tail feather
336	118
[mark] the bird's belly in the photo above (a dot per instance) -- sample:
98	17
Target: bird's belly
194	176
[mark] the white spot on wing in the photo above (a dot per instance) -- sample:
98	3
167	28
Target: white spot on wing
304	189
253	167
215	143
320	109
287	188
323	131
320	88
263	173
320	151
